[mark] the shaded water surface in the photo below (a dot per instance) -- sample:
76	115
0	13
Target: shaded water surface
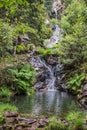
49	103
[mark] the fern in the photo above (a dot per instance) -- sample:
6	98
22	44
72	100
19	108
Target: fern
76	81
21	78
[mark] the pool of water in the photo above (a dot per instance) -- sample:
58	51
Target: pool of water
46	103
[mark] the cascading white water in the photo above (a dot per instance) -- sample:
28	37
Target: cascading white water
55	37
51	80
38	63
53	40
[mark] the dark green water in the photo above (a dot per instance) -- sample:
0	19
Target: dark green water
49	103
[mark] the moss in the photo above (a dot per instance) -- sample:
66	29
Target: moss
75	120
1	118
5	107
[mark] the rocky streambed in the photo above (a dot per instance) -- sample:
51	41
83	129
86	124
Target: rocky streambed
13	121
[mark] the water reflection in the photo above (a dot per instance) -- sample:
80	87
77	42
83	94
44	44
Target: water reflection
48	103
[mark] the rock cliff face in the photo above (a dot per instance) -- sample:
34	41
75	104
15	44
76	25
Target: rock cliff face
83	97
49	73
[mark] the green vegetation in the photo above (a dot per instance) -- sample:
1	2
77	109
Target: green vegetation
18	19
27	18
75	82
1	119
5	92
45	52
49	5
72	48
55	125
5	107
75	120
19	79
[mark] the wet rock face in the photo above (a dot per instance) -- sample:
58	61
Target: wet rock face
49	72
83	96
83	102
10	114
53	14
85	87
53	61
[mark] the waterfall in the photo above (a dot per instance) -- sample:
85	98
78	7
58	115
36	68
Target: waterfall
51	80
49	75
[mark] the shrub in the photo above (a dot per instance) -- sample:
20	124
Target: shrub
20	78
72	48
75	120
6	38
55	125
1	118
45	52
7	107
4	92
75	82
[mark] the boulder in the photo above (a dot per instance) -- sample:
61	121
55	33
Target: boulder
85	87
10	114
83	97
83	102
53	14
43	122
51	61
41	76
